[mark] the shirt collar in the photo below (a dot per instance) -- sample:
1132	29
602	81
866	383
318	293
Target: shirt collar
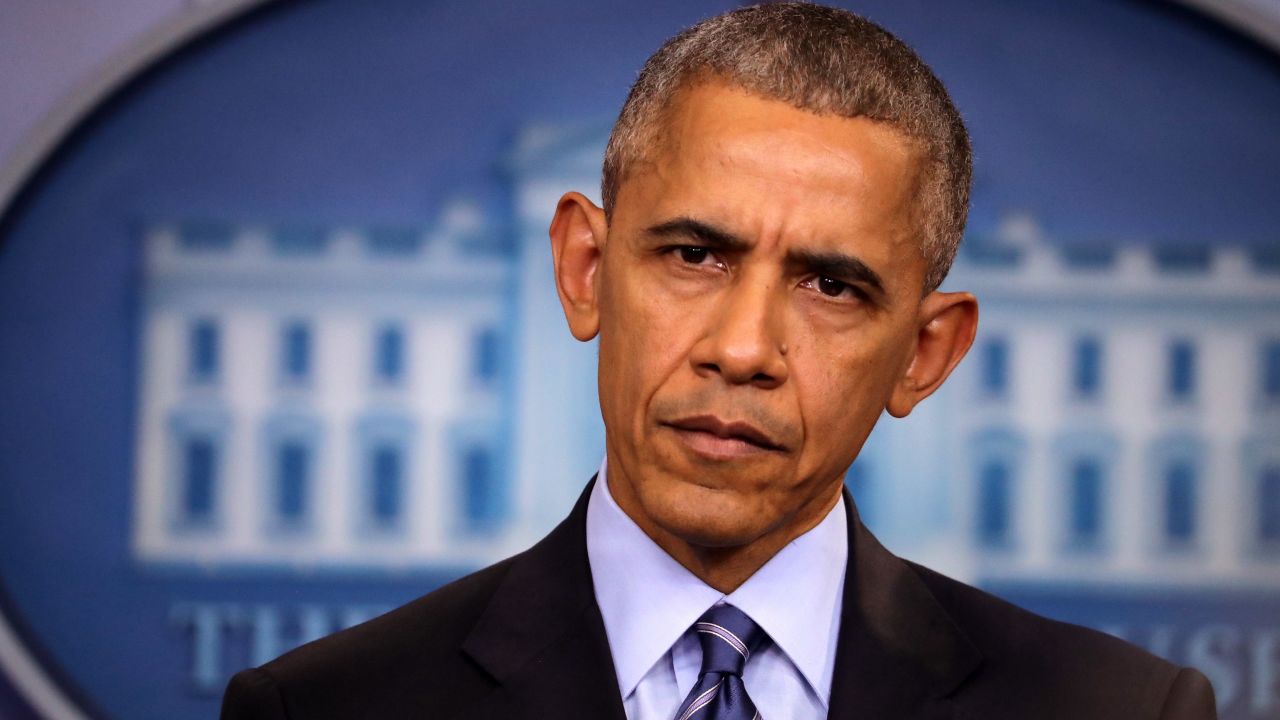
648	600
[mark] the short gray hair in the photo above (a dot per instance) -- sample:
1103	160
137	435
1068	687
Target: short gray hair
823	60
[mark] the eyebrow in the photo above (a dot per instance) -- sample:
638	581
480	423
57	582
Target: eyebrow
709	235
838	266
835	265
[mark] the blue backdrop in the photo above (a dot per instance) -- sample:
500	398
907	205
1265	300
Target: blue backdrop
278	333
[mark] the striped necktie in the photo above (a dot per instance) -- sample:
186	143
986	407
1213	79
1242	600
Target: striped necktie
727	637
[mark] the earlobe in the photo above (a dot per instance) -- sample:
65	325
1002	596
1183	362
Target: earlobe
578	231
947	325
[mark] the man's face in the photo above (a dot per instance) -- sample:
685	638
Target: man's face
758	301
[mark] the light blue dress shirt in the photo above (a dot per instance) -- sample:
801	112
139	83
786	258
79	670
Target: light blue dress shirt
649	602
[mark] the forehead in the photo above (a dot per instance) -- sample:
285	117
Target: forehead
771	170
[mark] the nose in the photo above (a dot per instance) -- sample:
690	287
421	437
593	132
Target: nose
744	339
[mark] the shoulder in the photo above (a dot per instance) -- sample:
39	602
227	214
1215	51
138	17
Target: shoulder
1033	661
1002	630
364	667
437	622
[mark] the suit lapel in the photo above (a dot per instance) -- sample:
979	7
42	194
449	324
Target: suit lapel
899	654
542	637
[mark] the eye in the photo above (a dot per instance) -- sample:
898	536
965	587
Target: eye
693	255
833	288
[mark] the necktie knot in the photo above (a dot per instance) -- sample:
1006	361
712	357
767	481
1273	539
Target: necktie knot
727	637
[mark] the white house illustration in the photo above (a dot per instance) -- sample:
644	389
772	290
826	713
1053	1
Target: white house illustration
324	397
1118	419
380	397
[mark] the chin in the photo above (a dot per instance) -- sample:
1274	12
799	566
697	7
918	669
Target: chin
706	516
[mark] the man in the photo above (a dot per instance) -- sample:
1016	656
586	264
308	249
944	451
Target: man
784	191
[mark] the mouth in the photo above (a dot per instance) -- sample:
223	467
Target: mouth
719	439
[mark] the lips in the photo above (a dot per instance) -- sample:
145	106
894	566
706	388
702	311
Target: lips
728	430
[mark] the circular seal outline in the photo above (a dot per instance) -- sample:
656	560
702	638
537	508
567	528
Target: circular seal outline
49	691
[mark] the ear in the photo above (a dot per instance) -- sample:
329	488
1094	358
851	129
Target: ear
947	323
578	232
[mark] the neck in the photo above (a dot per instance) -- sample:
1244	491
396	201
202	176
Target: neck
724	567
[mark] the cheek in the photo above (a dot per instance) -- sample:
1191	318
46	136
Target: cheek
842	385
643	335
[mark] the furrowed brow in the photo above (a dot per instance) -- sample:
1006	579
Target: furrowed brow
838	266
707	235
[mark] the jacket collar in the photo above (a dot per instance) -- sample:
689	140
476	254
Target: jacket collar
542	637
900	654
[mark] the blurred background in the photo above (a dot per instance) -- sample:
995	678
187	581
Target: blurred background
279	348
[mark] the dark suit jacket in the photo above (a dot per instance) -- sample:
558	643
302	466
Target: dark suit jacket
525	639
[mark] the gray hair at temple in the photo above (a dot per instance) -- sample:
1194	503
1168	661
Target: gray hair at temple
826	61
